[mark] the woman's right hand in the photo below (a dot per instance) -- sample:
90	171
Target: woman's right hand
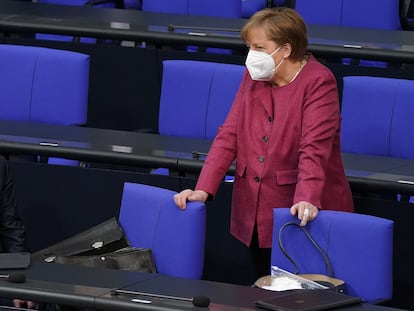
189	195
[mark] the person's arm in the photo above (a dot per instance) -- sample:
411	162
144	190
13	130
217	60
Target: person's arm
320	128
222	152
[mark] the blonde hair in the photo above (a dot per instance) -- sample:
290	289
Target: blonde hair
281	25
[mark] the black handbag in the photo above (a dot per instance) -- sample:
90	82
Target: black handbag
128	258
327	280
104	245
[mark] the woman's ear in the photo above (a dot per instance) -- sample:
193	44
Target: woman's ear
286	50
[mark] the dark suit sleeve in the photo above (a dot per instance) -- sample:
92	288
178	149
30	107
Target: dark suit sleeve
12	231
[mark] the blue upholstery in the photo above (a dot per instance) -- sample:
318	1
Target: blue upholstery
150	219
367	110
360	248
402	126
170	6
377	116
196	96
249	7
379	14
195	105
228	8
320	12
43	85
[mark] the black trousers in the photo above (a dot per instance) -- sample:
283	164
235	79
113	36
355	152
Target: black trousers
260	258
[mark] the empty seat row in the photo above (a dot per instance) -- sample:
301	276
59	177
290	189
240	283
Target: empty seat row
378	14
377	116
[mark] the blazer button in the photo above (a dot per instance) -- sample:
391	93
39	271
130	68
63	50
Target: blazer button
261	159
270	119
257	179
265	138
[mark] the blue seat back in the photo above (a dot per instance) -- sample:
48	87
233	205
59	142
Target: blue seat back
360	248
43	85
162	6
196	96
402	126
378	14
220	8
320	12
228	8
377	116
367	109
150	219
249	7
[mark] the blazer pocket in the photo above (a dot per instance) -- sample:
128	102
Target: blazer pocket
287	177
241	170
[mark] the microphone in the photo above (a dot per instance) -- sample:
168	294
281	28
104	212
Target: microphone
198	301
14	278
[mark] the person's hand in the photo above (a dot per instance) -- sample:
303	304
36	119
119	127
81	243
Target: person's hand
189	195
18	303
306	212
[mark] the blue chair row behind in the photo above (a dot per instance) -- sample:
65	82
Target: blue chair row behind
43	85
376	14
377	116
196	105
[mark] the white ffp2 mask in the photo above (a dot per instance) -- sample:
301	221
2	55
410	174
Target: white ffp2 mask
261	65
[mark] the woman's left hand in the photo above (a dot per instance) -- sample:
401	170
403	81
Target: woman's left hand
306	212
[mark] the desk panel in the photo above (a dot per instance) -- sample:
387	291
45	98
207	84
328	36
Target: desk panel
393	175
160	29
222	296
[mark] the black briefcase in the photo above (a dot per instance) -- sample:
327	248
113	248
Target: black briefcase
104	245
103	238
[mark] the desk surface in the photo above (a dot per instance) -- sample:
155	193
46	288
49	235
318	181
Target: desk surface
91	288
365	172
134	25
101	145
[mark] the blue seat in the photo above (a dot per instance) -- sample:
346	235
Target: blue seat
378	14
383	14
367	111
195	105
162	6
360	248
376	116
150	219
43	85
229	8
249	7
320	12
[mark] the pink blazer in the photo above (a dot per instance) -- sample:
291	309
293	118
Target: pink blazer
285	141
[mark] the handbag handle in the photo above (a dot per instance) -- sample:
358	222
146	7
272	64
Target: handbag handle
320	250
